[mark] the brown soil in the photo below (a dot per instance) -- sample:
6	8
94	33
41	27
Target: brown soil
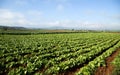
107	70
72	70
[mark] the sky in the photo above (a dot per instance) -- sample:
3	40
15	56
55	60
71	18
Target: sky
81	14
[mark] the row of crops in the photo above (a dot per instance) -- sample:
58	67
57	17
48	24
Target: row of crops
116	63
59	54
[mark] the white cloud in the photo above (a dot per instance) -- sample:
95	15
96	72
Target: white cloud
81	25
8	17
35	13
73	24
60	4
116	16
56	23
60	7
61	1
110	16
21	2
89	12
11	18
6	14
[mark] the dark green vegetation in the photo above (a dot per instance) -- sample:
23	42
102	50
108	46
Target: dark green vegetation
29	31
22	30
48	54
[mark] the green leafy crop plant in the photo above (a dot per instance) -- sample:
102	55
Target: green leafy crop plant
54	53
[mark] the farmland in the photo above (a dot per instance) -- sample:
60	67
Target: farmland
58	54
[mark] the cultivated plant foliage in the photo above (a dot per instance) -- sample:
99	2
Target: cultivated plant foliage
48	54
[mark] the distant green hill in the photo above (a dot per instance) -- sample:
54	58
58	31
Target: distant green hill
23	30
11	28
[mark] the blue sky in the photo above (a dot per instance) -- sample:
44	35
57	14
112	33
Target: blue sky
85	14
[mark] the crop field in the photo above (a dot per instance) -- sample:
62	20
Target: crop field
56	54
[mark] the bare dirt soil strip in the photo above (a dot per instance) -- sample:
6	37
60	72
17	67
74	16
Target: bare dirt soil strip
107	70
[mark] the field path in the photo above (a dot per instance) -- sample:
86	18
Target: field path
107	70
